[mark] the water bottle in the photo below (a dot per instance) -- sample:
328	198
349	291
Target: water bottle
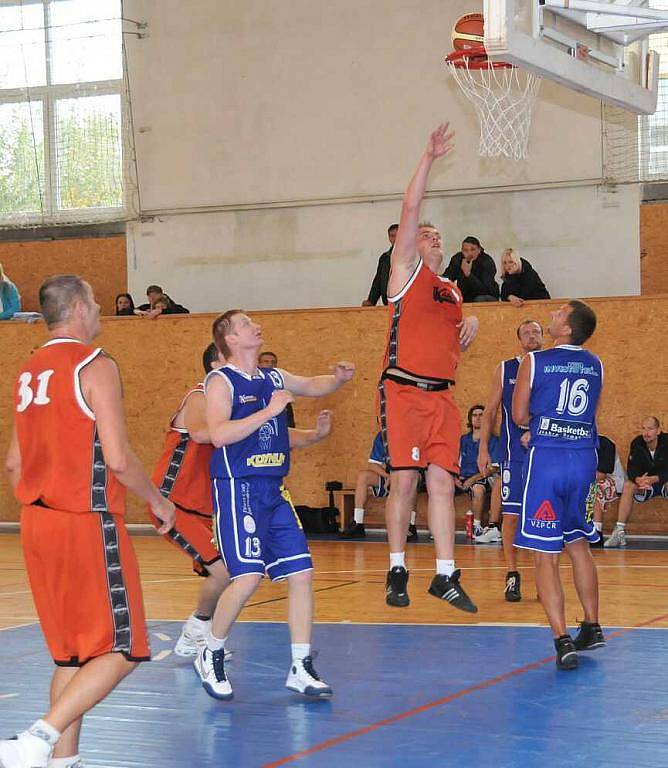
469	524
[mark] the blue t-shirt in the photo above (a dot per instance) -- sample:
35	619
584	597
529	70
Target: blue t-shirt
265	452
510	447
468	453
566	386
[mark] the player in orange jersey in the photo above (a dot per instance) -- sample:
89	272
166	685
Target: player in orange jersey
182	474
69	463
418	415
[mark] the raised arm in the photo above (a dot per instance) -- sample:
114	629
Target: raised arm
404	255
522	393
488	420
303	438
222	429
317	386
101	385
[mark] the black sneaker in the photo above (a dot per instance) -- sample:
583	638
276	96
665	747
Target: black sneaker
412	533
512	591
448	588
567	655
590	636
353	531
395	587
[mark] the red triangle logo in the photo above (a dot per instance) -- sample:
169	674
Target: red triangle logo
545	512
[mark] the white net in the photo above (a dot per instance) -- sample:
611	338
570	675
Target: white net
65	146
503	98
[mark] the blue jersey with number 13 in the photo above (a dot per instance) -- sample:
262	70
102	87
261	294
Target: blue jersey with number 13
566	385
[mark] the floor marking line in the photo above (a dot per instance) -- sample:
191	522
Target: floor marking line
481	686
285	597
8	695
162	655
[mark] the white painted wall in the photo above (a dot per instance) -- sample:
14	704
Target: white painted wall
262	104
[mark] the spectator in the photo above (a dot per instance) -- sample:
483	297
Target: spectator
647	469
125	304
470	480
159	303
378	288
473	270
610	477
270	360
10	300
520	280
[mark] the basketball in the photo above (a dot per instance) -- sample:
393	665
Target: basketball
468	32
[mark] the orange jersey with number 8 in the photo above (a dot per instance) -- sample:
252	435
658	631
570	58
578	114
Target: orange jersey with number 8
62	464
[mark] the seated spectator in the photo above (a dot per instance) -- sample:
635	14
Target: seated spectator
125	304
374	478
473	270
10	300
470	480
156	295
378	288
647	469
521	282
610	477
270	360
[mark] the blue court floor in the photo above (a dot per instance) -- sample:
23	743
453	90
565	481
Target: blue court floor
409	696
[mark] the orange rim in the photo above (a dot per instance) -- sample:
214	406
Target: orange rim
474	58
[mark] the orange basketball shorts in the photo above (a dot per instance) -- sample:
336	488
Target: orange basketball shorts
193	534
85	583
419	428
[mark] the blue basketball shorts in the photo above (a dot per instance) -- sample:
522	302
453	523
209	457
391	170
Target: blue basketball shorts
380	489
256	528
556	505
512	486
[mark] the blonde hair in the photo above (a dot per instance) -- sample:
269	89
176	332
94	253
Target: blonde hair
514	257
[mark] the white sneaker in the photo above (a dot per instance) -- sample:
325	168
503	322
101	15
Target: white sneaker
303	678
79	764
210	666
491	535
617	539
478	530
24	751
193	637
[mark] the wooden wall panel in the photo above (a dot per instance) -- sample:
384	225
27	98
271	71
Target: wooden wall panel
654	248
102	261
161	359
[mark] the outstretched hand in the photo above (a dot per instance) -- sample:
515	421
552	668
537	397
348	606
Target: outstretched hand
344	372
323	424
440	142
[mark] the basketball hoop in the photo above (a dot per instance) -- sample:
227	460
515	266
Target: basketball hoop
503	97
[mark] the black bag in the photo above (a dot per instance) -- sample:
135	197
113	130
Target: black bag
318	519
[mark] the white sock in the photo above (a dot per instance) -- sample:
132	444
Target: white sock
42	730
445	567
63	762
413	517
621	525
203	623
300	651
598	526
476	523
359	515
214	643
397	559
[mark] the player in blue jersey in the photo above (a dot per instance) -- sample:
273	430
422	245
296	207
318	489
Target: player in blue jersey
512	452
557	395
255	523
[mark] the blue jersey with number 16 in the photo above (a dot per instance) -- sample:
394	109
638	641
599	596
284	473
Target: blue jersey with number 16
566	385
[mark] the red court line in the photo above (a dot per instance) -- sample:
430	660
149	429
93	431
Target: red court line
336	740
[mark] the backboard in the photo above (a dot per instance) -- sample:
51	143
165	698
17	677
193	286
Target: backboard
597	47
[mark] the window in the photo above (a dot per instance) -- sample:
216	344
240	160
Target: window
61	110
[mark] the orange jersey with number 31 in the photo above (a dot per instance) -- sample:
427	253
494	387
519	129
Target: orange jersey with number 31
62	464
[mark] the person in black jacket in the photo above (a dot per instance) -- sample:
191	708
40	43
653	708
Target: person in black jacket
378	288
159	303
473	270
647	469
521	282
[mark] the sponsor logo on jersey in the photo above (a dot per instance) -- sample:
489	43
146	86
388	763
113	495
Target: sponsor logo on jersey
249	524
544	517
573	366
265	433
243	399
444	296
266	460
564	430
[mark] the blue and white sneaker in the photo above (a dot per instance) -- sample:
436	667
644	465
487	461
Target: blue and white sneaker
303	678
210	666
